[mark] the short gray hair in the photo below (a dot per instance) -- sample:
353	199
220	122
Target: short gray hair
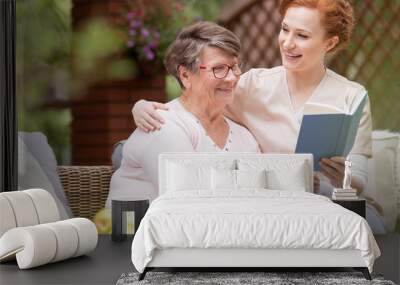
187	46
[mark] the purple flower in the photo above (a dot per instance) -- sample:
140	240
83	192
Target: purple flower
132	32
145	33
135	24
130	44
157	34
130	15
152	45
148	53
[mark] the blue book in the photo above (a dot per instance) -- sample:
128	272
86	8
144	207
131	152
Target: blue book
327	131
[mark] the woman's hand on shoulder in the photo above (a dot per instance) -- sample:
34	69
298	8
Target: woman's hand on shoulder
146	116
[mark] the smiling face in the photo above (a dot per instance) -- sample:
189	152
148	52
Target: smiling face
203	84
302	40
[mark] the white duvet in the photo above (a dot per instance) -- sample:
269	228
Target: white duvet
250	219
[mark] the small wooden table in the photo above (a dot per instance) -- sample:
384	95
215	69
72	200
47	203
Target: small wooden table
118	207
357	206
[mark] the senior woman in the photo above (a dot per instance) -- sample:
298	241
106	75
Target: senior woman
270	102
204	60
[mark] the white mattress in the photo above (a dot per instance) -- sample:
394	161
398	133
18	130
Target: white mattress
252	218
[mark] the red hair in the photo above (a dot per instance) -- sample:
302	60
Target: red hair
337	17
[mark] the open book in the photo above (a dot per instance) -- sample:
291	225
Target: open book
327	131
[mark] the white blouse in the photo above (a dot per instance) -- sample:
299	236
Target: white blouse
182	132
262	104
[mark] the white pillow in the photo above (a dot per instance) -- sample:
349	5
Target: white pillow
281	174
251	178
294	180
183	177
227	179
223	179
383	181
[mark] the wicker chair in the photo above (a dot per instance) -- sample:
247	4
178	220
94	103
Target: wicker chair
86	188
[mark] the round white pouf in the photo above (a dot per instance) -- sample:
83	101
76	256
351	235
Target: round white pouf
26	208
45	205
23	208
67	240
33	246
87	233
40	244
7	215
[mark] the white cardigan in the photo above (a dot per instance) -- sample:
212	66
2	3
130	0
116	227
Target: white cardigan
138	175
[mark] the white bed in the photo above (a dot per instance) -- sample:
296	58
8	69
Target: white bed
202	220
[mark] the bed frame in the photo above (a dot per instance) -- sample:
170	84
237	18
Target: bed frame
247	259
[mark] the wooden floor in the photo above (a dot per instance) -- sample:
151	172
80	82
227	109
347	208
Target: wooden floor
110	260
389	262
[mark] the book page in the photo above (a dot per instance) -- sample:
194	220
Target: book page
319	108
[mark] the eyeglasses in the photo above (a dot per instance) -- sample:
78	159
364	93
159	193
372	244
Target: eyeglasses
221	71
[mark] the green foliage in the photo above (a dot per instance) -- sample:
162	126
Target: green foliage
43	49
204	10
149	26
95	41
55	125
172	87
93	45
56	63
373	58
122	69
384	93
379	76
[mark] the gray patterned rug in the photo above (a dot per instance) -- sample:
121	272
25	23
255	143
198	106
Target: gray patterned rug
243	278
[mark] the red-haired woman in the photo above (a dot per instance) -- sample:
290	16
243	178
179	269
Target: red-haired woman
270	102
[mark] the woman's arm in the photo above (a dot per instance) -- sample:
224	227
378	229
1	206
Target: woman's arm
146	116
147	119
